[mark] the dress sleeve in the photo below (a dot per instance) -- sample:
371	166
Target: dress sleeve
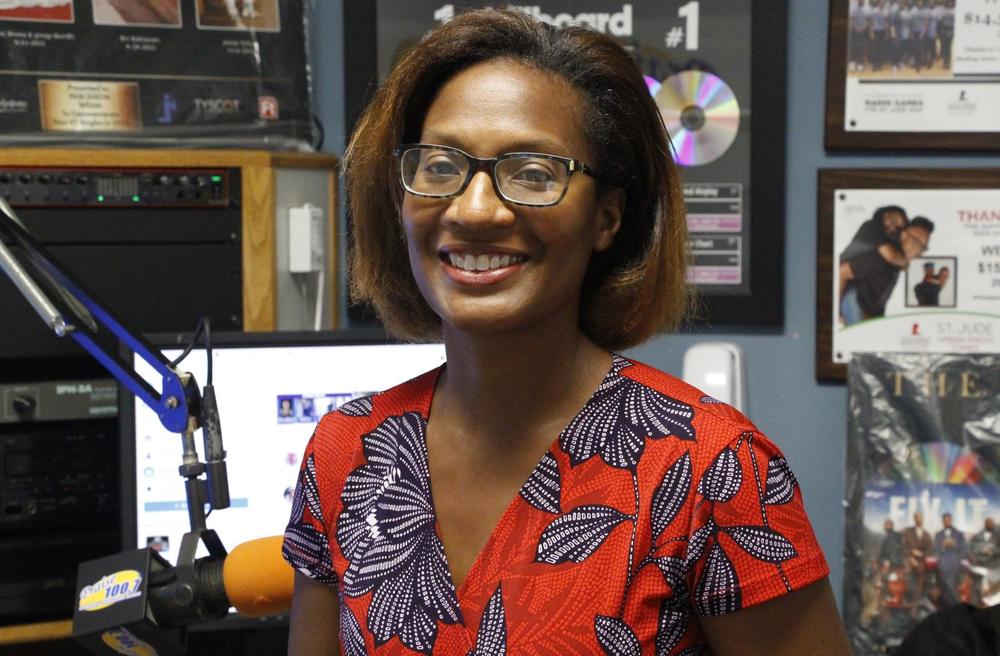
750	540
306	546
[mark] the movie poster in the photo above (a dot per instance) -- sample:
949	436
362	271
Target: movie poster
154	72
916	270
923	491
922	66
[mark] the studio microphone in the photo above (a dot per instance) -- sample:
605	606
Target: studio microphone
137	601
257	579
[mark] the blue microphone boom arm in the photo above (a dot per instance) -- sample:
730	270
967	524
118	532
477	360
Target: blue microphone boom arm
176	404
67	309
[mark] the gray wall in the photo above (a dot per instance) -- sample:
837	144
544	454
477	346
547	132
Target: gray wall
808	420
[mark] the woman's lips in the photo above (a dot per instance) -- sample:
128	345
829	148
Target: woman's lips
481	268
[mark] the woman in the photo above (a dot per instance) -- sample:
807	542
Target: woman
512	193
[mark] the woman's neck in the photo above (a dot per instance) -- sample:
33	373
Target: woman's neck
516	384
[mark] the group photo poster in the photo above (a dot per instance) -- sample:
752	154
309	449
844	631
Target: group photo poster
899	69
909	268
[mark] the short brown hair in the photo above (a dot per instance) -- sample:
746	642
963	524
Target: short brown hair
631	290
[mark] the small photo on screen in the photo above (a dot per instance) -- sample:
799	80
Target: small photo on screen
337	400
286	409
306	409
323	405
149	13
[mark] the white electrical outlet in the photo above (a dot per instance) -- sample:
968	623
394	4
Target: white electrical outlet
716	368
306	235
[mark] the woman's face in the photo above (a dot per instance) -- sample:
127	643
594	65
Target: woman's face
536	256
893	223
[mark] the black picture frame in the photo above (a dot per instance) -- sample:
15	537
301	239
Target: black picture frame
763	307
836	137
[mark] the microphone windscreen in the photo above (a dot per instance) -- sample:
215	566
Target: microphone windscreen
257	579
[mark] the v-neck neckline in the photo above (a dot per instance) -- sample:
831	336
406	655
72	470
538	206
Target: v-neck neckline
514	504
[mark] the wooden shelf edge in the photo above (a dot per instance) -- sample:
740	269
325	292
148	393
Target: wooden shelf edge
98	157
38	632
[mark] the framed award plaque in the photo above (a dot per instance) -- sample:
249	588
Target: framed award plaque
913	74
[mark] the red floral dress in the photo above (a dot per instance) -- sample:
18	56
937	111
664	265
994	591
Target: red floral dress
655	505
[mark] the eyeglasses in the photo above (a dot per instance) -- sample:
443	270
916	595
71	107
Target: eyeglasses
533	179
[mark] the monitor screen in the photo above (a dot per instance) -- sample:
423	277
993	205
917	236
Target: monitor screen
271	391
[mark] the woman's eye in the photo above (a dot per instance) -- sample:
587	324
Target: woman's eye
441	167
534	175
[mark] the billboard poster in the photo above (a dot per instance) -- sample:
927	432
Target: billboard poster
154	72
923	491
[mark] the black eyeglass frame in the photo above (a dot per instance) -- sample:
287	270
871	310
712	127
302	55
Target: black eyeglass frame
489	164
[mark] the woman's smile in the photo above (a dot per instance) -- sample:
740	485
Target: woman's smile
479	265
483	262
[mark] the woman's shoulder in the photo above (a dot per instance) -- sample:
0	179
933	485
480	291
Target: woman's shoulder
703	406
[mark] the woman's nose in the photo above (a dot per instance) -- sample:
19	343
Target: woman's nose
480	203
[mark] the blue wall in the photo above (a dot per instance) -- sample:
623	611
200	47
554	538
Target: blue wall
808	420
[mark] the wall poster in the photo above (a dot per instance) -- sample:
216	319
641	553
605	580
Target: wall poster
154	72
923	491
913	74
909	261
703	63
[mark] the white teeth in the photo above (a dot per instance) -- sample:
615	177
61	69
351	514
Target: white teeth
483	262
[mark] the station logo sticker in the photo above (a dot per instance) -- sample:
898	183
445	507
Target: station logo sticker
119	586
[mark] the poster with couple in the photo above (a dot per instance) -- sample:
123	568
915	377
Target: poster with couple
909	262
922	492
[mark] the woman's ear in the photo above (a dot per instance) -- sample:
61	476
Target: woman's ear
610	207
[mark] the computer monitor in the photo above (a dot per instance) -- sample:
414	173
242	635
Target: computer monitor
272	389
